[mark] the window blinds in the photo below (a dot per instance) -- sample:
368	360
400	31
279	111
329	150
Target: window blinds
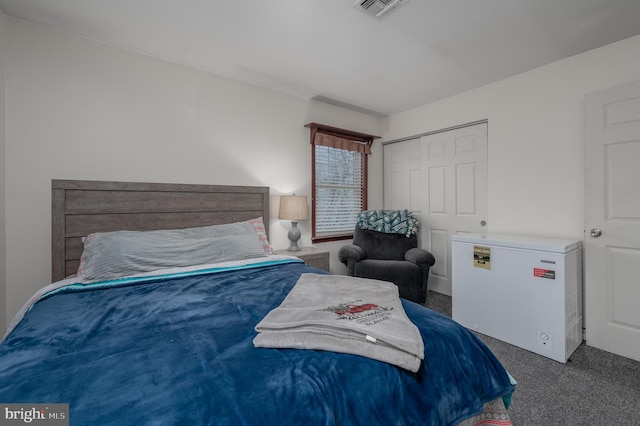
339	189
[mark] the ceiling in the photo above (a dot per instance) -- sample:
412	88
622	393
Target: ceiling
328	50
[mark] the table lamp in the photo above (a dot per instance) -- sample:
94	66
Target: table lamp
294	208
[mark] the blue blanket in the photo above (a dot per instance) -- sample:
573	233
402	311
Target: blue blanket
178	351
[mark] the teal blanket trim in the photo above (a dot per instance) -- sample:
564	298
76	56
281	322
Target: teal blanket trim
118	282
506	399
389	221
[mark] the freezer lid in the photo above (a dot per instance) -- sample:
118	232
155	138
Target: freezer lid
525	242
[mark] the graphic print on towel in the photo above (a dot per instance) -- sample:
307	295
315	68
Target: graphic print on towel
365	314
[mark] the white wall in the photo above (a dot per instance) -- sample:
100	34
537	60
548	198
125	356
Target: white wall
536	182
3	268
78	109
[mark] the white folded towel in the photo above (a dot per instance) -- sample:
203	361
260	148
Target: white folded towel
344	314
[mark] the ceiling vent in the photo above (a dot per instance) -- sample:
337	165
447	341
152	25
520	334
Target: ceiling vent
378	9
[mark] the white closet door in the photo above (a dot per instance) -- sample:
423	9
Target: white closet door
403	176
454	176
441	177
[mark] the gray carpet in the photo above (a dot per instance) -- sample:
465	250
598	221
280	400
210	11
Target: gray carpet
594	388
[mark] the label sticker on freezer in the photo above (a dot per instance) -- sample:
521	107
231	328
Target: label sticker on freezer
482	257
544	273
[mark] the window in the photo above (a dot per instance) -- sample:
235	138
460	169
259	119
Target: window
339	181
339	194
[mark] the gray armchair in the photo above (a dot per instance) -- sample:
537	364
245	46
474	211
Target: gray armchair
389	257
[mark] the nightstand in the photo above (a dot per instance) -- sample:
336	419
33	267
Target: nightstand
311	256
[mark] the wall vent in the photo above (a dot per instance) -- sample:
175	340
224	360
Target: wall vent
378	9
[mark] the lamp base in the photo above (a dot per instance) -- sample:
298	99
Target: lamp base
294	236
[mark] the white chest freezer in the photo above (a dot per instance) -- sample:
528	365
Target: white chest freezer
526	291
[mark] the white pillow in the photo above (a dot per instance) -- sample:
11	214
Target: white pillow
116	254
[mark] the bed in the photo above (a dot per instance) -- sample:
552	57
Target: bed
173	343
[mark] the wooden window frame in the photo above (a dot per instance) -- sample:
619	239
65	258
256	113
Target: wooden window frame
366	140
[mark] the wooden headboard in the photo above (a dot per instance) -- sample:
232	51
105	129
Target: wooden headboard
80	207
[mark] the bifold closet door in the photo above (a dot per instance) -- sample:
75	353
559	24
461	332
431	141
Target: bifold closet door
441	177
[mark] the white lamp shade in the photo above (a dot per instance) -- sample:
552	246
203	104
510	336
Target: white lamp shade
293	207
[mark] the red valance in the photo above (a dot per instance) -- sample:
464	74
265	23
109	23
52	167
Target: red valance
334	137
341	143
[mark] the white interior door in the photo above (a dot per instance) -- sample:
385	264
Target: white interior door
612	215
454	182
